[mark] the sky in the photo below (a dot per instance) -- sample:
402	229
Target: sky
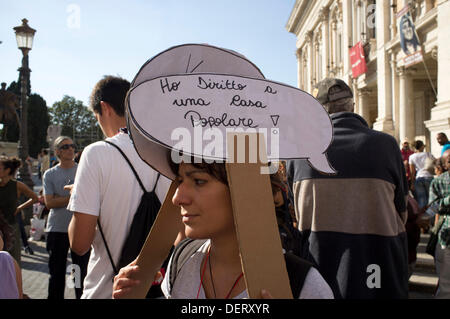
78	42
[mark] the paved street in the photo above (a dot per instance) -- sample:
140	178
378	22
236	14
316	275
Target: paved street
35	274
35	270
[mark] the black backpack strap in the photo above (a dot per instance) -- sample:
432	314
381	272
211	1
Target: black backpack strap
143	189
181	253
129	163
156	183
297	269
107	248
132	168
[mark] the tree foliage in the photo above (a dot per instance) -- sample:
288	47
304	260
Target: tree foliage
13	131
76	121
38	121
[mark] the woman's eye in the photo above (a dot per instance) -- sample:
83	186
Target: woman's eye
199	181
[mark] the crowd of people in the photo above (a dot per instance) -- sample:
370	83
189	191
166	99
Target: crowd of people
353	234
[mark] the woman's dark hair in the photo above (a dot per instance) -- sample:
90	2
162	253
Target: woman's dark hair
218	170
215	169
13	163
418	144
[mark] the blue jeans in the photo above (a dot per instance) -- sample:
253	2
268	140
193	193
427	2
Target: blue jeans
422	186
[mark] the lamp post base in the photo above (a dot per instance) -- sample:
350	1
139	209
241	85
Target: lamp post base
24	169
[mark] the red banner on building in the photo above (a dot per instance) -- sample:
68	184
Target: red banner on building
358	60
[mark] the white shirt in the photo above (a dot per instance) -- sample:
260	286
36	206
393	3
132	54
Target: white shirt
105	186
188	281
418	160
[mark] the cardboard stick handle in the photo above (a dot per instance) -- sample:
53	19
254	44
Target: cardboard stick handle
255	221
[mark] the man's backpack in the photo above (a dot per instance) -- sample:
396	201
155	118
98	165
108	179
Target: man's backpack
297	268
142	222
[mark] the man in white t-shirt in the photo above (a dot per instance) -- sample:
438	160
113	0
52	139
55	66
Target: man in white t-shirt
421	173
106	189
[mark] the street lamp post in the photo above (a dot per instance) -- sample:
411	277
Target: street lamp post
24	37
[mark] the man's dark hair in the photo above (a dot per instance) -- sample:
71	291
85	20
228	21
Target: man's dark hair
443	135
110	89
418	144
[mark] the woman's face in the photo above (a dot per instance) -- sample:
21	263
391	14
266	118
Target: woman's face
205	203
408	31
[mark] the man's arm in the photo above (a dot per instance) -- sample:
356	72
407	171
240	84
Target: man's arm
56	201
82	232
435	195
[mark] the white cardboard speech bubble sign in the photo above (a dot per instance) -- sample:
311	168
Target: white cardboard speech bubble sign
293	114
193	112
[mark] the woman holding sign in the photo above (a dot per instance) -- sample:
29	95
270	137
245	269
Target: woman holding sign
209	266
183	92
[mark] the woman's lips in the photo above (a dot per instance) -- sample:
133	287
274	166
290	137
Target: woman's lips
188	218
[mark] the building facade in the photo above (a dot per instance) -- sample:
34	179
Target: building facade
408	101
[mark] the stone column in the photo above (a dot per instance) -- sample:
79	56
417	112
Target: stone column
346	36
325	40
395	95
354	10
333	57
406	101
309	39
393	26
364	106
440	113
384	78
317	59
298	54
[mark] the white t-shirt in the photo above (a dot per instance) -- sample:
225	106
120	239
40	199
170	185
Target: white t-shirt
418	160
188	281
105	186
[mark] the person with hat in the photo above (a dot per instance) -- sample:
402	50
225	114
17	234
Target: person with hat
353	222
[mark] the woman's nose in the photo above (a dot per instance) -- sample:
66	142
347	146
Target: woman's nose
181	196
